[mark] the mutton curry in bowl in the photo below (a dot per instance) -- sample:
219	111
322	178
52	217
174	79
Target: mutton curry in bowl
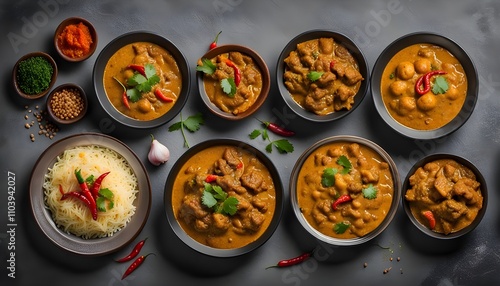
223	198
424	86
445	196
233	81
322	75
141	79
345	190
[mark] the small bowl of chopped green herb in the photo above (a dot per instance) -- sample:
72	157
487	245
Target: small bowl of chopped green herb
345	190
424	85
34	74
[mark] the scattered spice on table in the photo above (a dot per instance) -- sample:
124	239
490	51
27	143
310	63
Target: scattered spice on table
46	128
67	103
135	265
34	75
134	252
75	40
292	261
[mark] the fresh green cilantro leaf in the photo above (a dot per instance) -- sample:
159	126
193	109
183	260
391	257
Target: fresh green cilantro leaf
341	227
265	135
256	133
314	75
136	79
328	177
228	86
193	122
370	192
229	206
269	148
440	85
175	126
208	199
133	94
344	162
391	76
154	79
283	146
219	194
106	193
143	87
101	204
90	180
149	70
207	66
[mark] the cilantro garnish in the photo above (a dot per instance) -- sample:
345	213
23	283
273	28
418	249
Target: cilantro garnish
140	84
215	198
207	66
192	124
105	195
328	177
440	85
228	86
282	145
370	192
314	75
341	227
344	162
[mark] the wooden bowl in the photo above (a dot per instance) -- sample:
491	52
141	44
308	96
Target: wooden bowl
51	111
15	75
75	21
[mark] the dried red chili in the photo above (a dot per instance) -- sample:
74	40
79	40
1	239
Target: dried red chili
275	128
124	94
214	43
425	80
161	96
134	252
97	185
82	198
292	261
135	265
342	199
138	68
211	178
86	192
237	74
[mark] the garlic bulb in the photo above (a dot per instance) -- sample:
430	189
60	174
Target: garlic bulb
158	153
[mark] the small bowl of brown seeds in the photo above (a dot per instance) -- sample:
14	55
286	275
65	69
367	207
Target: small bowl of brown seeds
67	104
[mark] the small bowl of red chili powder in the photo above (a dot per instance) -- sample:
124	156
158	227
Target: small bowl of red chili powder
75	39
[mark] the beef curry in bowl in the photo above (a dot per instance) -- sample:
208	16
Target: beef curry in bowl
345	190
445	196
424	86
223	198
233	81
322	75
141	79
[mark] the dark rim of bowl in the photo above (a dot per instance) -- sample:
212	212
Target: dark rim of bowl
355	52
52	79
266	81
207	250
115	45
479	178
458	52
83	95
395	198
93	34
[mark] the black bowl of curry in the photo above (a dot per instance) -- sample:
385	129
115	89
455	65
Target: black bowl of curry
233	81
141	79
223	198
322	75
445	196
424	85
345	190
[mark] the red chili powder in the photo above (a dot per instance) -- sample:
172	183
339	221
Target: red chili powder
75	41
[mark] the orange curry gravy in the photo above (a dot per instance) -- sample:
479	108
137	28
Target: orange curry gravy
429	111
241	175
360	214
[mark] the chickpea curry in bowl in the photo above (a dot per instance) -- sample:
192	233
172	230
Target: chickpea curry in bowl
445	195
141	79
233	81
345	190
424	86
322	75
223	198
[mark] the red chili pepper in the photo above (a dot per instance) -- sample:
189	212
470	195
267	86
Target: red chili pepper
82	198
275	128
292	261
332	64
340	200
214	43
161	96
124	94
425	80
135	264
138	68
135	251
86	193
237	74
211	178
240	165
97	185
430	218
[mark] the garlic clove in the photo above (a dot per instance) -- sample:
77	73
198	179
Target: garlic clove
158	153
